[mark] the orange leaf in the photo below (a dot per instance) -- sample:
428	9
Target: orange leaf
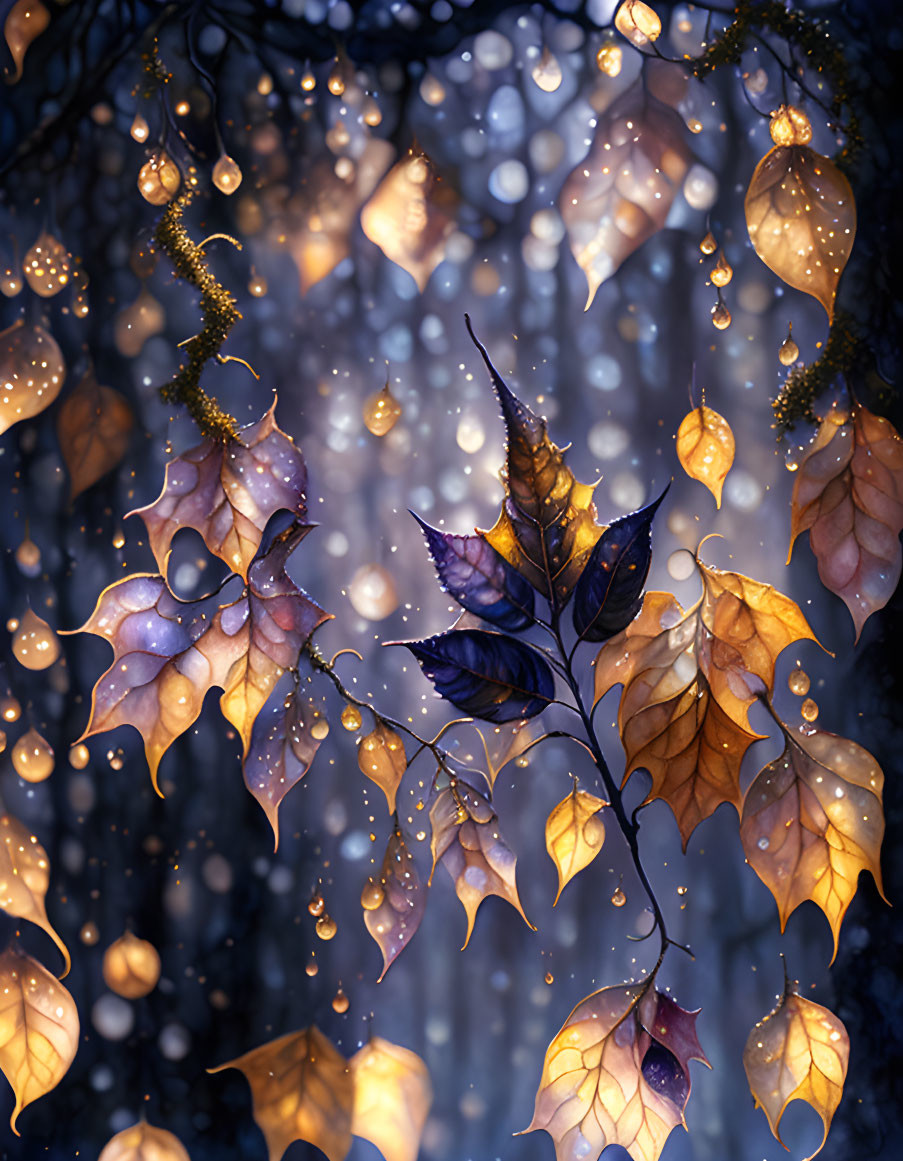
392	1098
382	758
24	879
144	1142
574	834
705	448
31	367
94	428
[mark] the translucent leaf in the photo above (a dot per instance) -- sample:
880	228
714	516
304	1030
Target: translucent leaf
144	1142
505	743
395	919
38	1029
31	370
800	1051
94	428
849	495
25	879
381	757
705	448
25	21
392	1098
812	820
574	834
302	1090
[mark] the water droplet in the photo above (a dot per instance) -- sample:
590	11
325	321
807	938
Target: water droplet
159	179
10	709
35	645
326	927
609	59
340	1002
258	285
763	844
722	272
131	967
317	905
550	979
381	411
33	757
79	756
227	174
139	129
789	352
312	968
372	592
28	557
708	245
351	718
798	682
721	316
682	890
372	895
89	935
809	710
618	899
320	729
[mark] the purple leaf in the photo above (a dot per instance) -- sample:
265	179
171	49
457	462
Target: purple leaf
395	919
664	1075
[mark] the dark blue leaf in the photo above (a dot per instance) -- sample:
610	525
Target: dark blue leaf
610	589
479	578
489	675
663	1073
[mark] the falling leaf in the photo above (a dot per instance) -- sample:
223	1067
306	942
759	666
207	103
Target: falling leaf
574	834
302	1090
38	1029
31	372
849	495
25	879
620	194
466	838
381	757
801	213
228	492
25	22
812	820
392	1098
94	428
144	1142
395	919
800	1051
705	448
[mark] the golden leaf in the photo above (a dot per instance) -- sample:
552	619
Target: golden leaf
38	1029
394	906
25	878
381	757
849	495
302	1090
812	820
705	448
574	834
392	1098
25	21
800	1051
31	369
94	429
505	744
144	1142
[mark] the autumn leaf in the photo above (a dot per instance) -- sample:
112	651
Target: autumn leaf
25	878
800	1051
849	496
38	1029
812	820
505	743
228	492
94	429
467	841
32	371
381	757
705	448
302	1090
574	834
394	906
392	1098
144	1142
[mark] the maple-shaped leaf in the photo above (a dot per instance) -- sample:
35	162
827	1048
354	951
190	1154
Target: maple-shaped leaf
228	492
617	1073
800	1051
466	839
394	906
302	1091
705	448
38	1029
489	675
812	820
610	589
574	834
849	495
94	429
144	1142
479	579
392	1098
25	878
381	756
547	527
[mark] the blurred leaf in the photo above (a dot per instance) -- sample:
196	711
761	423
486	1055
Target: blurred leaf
705	448
25	879
94	429
574	834
395	919
392	1098
381	756
26	390
144	1142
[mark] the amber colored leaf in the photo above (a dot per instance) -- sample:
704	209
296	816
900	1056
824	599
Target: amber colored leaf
32	369
849	495
705	448
801	217
228	492
800	1051
38	1029
467	840
381	757
94	428
392	1098
505	743
25	21
574	834
25	878
144	1142
302	1091
395	918
812	820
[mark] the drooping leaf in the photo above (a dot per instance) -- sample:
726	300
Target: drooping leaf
32	371
25	878
800	1051
620	194
381	757
227	493
849	495
302	1090
674	1029
479	579
24	23
609	592
466	839
38	1029
505	743
144	1142
395	918
812	820
94	429
705	448
574	834
489	675
392	1098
